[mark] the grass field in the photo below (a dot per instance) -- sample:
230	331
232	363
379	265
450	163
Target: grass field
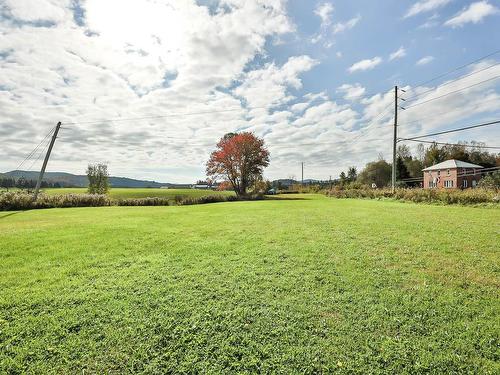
285	286
142	193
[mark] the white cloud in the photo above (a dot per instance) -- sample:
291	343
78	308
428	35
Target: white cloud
474	13
401	52
324	11
367	64
268	86
343	26
431	21
425	6
425	60
41	10
351	92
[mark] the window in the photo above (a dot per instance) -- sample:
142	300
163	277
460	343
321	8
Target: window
439	173
448	183
448	172
464	183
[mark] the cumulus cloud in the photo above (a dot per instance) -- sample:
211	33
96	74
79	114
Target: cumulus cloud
324	11
401	52
425	6
474	13
425	60
268	86
351	92
366	64
343	26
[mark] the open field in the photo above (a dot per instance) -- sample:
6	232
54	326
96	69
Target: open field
142	193
306	285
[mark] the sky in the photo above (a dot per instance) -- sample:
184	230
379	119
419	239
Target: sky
315	79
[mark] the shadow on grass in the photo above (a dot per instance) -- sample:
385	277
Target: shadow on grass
7	214
284	198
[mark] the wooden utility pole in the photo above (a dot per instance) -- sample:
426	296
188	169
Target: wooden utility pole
302	178
46	160
394	140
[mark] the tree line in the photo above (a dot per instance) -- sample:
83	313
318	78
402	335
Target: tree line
23	183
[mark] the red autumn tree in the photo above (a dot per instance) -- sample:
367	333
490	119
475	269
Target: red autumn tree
240	158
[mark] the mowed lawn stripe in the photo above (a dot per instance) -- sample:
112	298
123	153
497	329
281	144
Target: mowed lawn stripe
306	285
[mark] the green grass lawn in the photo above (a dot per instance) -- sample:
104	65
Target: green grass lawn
142	193
284	286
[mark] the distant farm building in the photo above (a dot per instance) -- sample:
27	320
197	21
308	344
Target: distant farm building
451	174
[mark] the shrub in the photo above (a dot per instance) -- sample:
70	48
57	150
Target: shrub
470	196
155	201
13	201
10	201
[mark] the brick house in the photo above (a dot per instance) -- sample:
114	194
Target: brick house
451	174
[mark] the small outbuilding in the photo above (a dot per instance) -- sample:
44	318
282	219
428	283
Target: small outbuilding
451	174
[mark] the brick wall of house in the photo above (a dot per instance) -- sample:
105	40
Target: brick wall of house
470	177
452	174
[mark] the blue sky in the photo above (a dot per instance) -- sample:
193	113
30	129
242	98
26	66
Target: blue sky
181	74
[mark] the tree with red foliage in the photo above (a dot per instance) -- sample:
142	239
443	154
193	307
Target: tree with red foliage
240	158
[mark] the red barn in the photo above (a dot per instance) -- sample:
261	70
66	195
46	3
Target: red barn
451	174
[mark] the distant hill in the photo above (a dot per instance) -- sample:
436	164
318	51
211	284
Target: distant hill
73	180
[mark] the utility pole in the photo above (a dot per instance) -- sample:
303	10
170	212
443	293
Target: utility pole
394	140
46	160
302	179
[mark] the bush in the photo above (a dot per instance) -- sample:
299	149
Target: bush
11	201
470	196
14	201
218	198
155	201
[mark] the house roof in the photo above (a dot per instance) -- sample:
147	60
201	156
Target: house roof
452	163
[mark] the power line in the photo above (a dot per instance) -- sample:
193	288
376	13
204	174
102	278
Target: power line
458	68
452	92
35	149
42	151
159	116
449	144
189	113
453	130
452	81
368	129
445	113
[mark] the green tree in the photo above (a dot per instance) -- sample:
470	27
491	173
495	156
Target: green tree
343	177
98	178
377	172
401	169
433	155
491	181
352	174
414	167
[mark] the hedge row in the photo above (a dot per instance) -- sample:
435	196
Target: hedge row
12	201
452	196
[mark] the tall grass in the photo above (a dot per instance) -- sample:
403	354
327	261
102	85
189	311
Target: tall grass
451	196
12	201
